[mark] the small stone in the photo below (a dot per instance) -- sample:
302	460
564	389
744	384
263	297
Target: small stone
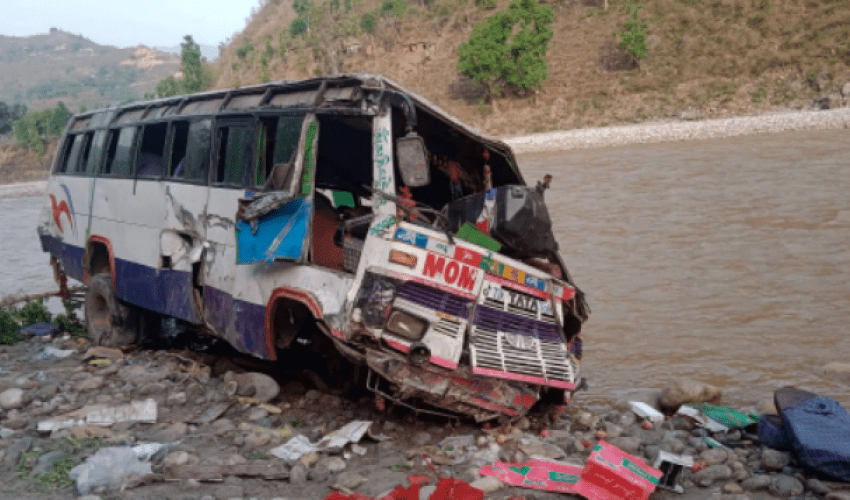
14	452
756	482
712	456
176	399
817	486
586	421
613	430
785	486
172	433
349	479
222	426
257	413
629	444
258	385
175	458
332	464
683	390
257	439
421	438
845	90
713	473
12	398
487	484
838	495
298	474
309	459
774	460
319	473
732	488
90	384
45	463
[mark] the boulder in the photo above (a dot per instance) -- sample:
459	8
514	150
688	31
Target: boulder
774	460
12	398
682	391
713	473
783	485
257	385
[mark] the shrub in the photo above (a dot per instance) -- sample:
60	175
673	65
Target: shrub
297	27
498	55
367	22
633	37
486	4
396	7
246	48
9	329
33	312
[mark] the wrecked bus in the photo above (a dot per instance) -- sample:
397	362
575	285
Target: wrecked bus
332	222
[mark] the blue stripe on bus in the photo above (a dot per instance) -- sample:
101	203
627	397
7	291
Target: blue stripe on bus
169	292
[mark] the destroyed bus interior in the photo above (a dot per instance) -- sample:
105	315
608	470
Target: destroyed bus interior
337	225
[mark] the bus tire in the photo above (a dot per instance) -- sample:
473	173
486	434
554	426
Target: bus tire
108	321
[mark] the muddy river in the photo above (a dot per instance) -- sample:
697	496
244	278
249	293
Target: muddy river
725	260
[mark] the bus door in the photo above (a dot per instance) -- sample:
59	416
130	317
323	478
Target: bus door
257	169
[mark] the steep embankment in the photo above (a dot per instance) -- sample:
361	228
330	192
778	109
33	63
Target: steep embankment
706	59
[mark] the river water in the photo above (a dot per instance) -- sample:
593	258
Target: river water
725	260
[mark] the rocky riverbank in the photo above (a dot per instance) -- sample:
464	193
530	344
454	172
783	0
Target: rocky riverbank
216	428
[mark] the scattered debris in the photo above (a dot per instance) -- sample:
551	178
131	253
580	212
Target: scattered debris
299	445
610	473
50	352
671	467
547	475
646	411
100	415
110	467
39	329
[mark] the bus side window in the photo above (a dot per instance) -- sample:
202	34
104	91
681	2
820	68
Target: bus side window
278	141
119	158
235	150
152	151
81	160
190	153
70	151
96	152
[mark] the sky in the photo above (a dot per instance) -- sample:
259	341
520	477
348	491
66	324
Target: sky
127	23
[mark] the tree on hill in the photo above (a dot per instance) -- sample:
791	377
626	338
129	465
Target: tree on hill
9	114
508	49
34	127
196	76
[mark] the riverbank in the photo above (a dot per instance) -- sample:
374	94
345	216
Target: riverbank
214	431
672	131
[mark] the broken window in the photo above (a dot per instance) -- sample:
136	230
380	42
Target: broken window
234	153
277	141
71	149
190	152
78	157
152	150
119	157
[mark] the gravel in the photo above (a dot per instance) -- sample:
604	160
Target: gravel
648	133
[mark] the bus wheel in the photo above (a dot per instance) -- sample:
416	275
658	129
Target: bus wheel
108	321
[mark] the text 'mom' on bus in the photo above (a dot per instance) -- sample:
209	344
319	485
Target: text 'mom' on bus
342	225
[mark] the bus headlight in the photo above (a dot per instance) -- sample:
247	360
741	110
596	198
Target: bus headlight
405	325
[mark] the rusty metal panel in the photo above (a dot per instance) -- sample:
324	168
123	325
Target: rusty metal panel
130	116
202	107
294	99
245	101
341	94
80	124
